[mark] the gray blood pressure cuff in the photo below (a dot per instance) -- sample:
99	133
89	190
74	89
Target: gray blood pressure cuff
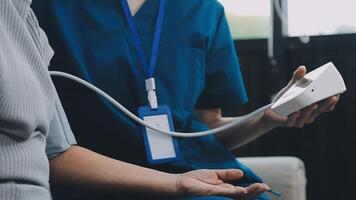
60	136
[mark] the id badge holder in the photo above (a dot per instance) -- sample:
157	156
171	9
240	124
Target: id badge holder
160	148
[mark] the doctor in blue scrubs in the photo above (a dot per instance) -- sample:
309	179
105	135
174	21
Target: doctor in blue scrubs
194	64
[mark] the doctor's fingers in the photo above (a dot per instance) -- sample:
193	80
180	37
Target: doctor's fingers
326	105
332	102
305	114
292	119
297	75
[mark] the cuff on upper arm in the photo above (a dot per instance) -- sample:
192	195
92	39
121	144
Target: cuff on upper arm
60	136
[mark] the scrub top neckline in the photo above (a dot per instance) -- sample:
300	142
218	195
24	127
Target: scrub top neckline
148	12
138	9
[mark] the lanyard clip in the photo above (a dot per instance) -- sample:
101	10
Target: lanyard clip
151	93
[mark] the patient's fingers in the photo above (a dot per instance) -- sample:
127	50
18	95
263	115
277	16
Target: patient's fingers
255	189
229	175
237	192
227	190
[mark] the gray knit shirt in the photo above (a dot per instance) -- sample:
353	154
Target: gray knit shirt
32	120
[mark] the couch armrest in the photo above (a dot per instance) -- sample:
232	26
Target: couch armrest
283	174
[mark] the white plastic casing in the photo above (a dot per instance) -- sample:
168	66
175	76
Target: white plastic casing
317	85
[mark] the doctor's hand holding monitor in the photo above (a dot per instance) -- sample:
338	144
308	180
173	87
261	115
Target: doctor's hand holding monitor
323	95
295	113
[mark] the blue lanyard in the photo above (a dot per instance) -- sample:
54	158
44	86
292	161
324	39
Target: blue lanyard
148	65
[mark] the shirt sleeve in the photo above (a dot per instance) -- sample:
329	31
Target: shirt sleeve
224	86
60	136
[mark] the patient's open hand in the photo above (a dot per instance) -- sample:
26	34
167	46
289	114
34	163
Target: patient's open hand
213	183
305	116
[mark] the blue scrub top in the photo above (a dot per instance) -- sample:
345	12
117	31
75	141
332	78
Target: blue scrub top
197	67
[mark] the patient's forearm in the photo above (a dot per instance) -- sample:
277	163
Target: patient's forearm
81	166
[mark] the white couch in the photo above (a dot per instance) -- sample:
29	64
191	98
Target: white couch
284	174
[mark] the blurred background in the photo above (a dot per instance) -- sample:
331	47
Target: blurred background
273	38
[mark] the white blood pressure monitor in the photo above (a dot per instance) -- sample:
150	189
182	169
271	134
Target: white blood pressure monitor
317	85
